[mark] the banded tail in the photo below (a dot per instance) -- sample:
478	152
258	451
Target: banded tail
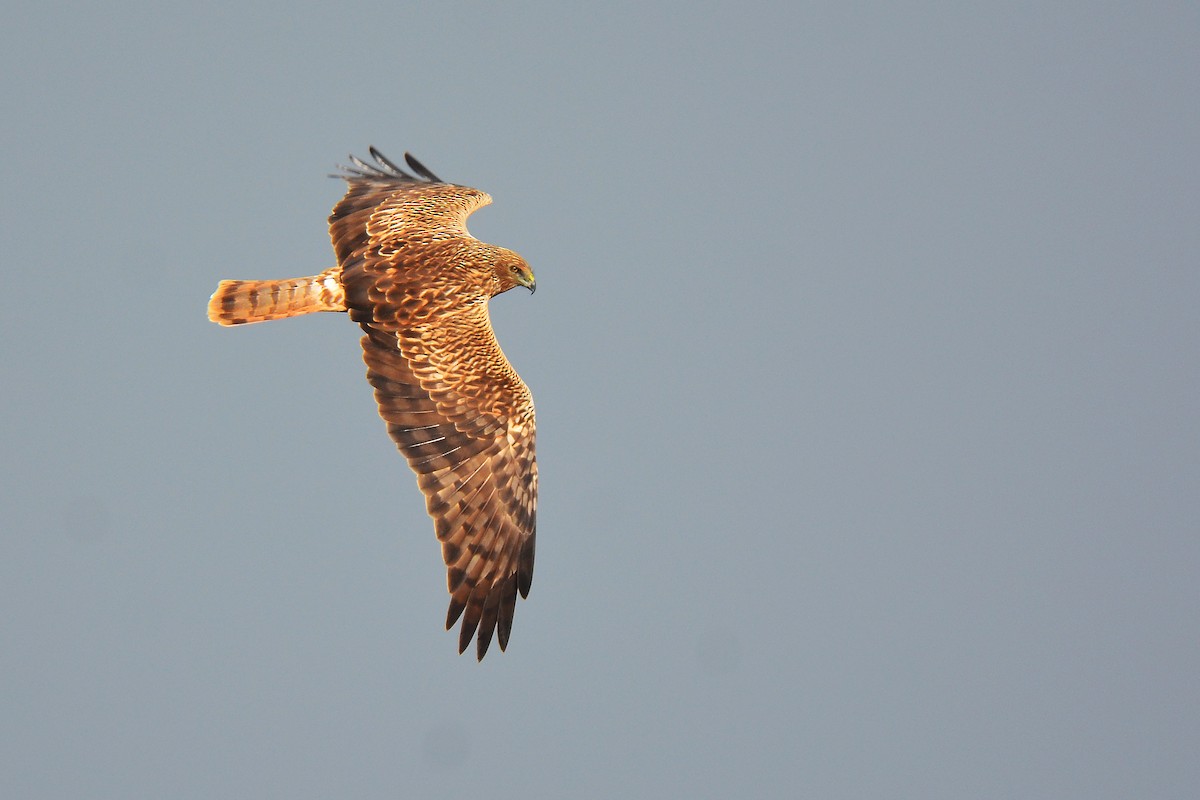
240	302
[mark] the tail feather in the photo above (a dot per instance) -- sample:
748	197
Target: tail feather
240	302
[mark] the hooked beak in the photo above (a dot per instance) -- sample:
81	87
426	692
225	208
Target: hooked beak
527	280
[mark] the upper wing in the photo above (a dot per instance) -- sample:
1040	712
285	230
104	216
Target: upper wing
452	402
387	209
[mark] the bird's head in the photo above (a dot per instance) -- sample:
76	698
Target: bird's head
511	270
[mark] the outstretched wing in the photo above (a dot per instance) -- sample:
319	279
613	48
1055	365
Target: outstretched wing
452	402
386	209
474	460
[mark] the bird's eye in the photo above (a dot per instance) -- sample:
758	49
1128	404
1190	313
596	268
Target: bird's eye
514	270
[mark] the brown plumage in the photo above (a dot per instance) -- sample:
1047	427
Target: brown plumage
418	284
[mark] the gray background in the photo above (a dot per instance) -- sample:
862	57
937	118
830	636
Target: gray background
865	359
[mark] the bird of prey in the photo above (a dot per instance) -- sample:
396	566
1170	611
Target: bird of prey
418	284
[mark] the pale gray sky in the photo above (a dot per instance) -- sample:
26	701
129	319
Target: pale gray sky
865	356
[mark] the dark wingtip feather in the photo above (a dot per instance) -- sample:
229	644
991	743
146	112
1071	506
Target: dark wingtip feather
525	566
508	602
454	612
420	168
485	639
386	162
349	173
469	623
487	622
464	636
383	169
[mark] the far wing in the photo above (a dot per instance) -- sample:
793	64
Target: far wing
386	209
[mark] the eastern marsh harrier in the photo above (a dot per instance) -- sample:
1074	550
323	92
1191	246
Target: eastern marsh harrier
418	284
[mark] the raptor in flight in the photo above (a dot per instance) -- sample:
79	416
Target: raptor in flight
418	284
